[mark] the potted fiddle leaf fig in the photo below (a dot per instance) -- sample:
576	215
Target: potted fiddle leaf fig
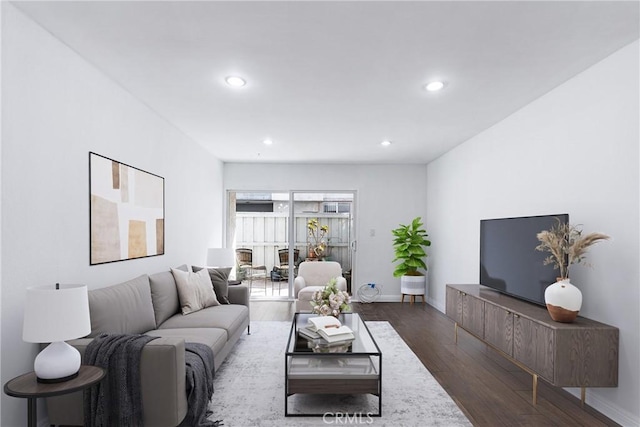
409	242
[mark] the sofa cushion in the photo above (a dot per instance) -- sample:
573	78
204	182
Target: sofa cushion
226	316
220	279
164	294
195	290
216	338
125	308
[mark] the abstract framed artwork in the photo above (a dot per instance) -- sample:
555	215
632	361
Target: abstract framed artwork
126	211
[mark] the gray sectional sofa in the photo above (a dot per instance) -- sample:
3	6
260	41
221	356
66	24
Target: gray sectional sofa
149	305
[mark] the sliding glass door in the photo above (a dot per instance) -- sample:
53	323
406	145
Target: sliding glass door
323	227
277	233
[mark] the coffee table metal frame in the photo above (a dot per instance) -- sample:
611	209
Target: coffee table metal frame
315	381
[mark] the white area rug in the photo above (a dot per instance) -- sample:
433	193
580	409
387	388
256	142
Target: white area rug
249	386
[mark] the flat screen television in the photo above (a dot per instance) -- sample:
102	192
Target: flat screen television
509	261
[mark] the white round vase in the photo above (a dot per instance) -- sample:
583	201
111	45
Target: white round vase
563	301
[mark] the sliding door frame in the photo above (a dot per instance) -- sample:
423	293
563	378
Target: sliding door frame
230	238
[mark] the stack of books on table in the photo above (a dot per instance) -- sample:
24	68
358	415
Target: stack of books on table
327	328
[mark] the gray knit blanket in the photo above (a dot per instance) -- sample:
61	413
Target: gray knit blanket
199	384
117	400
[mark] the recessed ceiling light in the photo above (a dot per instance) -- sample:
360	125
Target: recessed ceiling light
385	143
235	81
434	86
267	141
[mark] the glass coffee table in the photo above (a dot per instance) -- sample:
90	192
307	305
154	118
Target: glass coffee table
314	367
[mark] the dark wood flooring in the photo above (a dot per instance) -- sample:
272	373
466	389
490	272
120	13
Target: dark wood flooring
489	389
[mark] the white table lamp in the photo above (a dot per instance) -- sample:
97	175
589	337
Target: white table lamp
221	257
54	314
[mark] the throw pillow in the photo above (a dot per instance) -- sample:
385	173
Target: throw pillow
195	290
220	279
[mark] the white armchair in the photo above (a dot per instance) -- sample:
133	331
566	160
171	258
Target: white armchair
313	276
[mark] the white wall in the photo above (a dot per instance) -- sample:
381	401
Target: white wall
57	108
387	195
574	150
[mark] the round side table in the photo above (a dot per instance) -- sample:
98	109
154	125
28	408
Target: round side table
27	386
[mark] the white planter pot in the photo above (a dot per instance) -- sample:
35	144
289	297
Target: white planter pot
413	285
563	301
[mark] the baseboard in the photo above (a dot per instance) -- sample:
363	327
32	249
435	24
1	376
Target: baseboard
382	298
392	298
398	298
434	303
607	408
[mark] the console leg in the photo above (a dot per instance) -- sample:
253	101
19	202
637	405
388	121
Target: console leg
455	332
535	389
583	395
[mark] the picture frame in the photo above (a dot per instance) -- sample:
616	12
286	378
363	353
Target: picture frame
126	211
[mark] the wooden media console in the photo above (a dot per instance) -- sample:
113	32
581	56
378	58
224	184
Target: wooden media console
579	354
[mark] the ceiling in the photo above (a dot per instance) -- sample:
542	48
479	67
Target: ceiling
328	81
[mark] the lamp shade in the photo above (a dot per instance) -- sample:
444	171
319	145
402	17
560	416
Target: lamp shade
221	257
52	314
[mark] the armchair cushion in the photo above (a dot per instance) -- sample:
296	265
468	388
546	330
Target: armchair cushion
316	273
307	292
314	276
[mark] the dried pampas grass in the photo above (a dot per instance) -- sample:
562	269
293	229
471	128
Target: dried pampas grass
567	245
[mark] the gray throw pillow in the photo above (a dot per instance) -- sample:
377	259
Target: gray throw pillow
220	280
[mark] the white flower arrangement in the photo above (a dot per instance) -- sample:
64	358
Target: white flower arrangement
330	301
